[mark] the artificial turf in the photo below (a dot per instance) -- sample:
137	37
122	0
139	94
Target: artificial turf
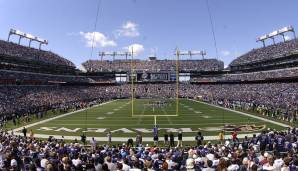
118	114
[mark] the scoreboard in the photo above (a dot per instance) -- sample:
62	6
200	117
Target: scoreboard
158	76
153	76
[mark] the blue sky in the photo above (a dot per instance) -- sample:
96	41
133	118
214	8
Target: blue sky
153	26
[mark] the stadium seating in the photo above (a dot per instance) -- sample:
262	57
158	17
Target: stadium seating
23	100
232	155
19	77
254	95
267	53
154	65
22	52
30	91
289	73
26	89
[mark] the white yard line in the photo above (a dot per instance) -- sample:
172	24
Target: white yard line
57	117
245	114
129	125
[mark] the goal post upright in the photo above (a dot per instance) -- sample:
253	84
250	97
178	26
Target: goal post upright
177	81
132	84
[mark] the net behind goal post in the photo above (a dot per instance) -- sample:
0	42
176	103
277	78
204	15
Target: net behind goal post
152	99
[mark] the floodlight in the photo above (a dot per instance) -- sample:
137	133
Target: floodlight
114	54
276	33
272	34
28	36
190	53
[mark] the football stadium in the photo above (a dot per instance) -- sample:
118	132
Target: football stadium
211	88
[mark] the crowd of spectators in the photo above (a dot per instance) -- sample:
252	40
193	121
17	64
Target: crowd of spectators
19	77
37	100
153	65
23	52
266	53
278	100
11	77
272	99
251	76
268	151
271	150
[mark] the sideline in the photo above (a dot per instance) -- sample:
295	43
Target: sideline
245	114
59	116
124	139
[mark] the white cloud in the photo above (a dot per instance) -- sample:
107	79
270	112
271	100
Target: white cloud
128	29
287	38
225	52
137	48
100	40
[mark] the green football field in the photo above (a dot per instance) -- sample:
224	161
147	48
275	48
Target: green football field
116	116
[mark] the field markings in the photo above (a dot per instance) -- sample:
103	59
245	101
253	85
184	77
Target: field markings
205	117
142	113
169	120
177	118
107	119
195	111
184	124
124	139
245	114
61	116
109	113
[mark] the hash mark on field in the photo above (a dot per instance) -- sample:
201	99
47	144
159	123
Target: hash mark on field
198	112
169	120
109	113
100	118
140	118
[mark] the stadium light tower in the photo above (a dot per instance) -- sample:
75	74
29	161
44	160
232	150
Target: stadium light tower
201	52
190	53
279	32
262	39
126	54
114	54
28	36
